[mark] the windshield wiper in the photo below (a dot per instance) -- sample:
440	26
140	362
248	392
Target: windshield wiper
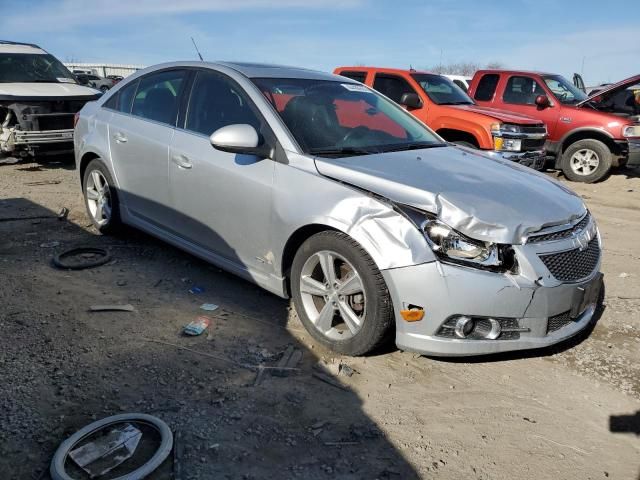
413	146
342	151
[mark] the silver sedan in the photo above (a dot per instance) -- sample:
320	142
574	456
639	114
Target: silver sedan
316	187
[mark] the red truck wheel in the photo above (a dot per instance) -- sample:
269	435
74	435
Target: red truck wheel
586	161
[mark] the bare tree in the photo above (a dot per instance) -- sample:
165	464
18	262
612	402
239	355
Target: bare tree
462	68
496	65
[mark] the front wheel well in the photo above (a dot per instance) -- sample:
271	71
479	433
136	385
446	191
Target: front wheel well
452	135
86	158
590	135
293	244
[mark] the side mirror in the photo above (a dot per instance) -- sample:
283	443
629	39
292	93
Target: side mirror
543	101
240	138
411	100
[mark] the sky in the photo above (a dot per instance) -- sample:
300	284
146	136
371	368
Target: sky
596	38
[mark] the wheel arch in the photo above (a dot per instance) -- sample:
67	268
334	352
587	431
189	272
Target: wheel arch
84	161
588	134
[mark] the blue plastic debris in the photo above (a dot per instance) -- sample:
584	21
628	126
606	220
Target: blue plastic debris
198	326
196	290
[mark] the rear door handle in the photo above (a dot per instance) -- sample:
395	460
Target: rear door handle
182	161
119	138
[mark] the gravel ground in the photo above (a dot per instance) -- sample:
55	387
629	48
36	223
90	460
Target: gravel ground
542	415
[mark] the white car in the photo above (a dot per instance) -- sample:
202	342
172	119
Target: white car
460	80
38	100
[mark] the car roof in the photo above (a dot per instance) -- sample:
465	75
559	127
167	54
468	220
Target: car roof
383	70
512	72
266	70
7	46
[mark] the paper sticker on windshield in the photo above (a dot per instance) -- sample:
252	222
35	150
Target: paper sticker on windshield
352	87
65	80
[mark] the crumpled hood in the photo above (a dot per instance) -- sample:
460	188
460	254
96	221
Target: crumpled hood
609	89
45	90
484	198
502	115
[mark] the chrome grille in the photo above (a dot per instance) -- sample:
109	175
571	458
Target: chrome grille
558	321
581	225
533	129
447	329
573	265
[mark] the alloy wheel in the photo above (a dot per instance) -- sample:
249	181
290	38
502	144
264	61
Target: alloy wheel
584	162
333	295
99	197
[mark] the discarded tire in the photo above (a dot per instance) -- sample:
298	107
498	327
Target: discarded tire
61	260
57	470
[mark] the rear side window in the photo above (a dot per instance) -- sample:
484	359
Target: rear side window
392	86
215	103
157	96
486	87
121	101
461	84
522	91
357	76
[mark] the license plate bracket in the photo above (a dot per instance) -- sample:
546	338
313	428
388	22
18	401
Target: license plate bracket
586	295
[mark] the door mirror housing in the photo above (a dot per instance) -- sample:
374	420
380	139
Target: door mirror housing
542	101
411	100
240	138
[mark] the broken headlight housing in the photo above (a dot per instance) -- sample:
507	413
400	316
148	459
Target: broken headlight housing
452	245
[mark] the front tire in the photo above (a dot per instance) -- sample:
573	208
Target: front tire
340	295
101	198
586	161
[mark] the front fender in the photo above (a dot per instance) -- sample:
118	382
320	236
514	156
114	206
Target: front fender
481	134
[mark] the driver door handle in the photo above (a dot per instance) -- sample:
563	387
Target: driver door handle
182	161
119	138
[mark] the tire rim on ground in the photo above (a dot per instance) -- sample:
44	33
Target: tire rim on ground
98	197
584	162
333	295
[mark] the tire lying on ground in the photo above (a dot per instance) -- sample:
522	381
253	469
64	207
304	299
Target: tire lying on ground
340	295
57	469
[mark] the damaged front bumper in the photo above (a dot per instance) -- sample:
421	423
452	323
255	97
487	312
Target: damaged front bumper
535	159
529	310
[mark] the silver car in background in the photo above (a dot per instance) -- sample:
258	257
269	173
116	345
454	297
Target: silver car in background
316	187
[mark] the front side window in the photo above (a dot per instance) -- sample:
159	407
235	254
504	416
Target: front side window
392	86
487	87
343	119
157	96
215	103
522	91
441	90
564	91
33	68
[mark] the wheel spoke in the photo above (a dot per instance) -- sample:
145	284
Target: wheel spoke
99	213
327	264
348	316
312	287
324	320
350	285
97	184
92	194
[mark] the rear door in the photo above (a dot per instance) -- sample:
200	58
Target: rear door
139	136
222	200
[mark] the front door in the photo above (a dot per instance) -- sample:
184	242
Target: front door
222	200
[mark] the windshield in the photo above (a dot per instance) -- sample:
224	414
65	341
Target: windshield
343	119
441	90
32	67
565	91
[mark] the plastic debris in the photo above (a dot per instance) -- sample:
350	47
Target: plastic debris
111	308
63	213
198	326
624	275
209	307
52	244
107	452
196	290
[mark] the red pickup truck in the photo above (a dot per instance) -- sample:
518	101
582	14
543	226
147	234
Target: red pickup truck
587	134
449	111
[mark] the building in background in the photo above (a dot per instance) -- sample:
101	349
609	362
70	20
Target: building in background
104	69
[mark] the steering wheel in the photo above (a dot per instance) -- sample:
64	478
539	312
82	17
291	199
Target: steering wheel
354	133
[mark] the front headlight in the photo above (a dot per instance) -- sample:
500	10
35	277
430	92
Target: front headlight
631	131
446	242
502	142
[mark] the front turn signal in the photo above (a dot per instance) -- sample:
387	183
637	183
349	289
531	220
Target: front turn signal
412	315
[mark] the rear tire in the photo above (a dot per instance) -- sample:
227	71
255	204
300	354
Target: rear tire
355	291
101	198
586	161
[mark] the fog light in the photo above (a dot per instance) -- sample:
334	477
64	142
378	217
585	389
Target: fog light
487	328
464	326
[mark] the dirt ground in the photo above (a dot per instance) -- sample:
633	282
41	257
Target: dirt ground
571	412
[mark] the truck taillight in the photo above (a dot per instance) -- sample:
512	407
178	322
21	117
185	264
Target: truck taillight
76	117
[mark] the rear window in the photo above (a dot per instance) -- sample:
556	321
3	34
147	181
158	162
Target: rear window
157	96
121	101
486	87
357	76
